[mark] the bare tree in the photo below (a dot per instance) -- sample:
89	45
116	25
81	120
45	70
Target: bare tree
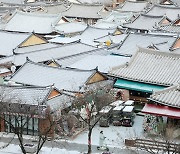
22	113
89	104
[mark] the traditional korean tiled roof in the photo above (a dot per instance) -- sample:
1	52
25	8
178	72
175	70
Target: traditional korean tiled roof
84	11
32	95
150	66
92	33
134	6
115	39
39	47
170	28
105	24
42	75
7	45
104	63
70	27
176	2
51	8
4	70
48	53
132	41
13	1
31	22
170	11
144	22
169	96
118	17
67	61
60	102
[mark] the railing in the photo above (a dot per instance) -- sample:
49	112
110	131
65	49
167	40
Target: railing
153	144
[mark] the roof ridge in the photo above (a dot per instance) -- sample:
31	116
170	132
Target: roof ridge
163	53
59	68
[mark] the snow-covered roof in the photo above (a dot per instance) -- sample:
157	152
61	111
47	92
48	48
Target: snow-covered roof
115	39
131	43
34	48
64	40
144	22
117	103
67	61
105	24
84	11
4	70
150	66
13	1
118	17
134	6
170	28
105	109
42	75
118	108
169	96
10	40
104	63
128	108
70	27
25	94
31	22
92	33
49	8
48	53
129	102
60	102
170	11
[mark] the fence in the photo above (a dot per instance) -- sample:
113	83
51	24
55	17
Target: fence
153	144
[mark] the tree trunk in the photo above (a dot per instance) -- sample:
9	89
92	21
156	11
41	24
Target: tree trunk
89	140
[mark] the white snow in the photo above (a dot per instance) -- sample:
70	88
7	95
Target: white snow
15	149
115	135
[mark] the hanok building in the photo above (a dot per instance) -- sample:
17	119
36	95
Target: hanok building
32	22
136	7
171	12
144	23
165	103
148	71
69	79
45	52
33	109
170	2
90	14
159	43
171	27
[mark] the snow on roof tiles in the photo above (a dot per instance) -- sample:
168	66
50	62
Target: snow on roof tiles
42	75
170	11
7	45
134	6
150	66
104	63
48	53
31	22
169	96
84	11
131	43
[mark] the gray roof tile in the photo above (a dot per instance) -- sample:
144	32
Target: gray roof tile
31	22
48	53
170	11
169	96
150	66
41	75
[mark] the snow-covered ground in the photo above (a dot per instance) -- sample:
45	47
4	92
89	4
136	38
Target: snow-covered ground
15	149
115	135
